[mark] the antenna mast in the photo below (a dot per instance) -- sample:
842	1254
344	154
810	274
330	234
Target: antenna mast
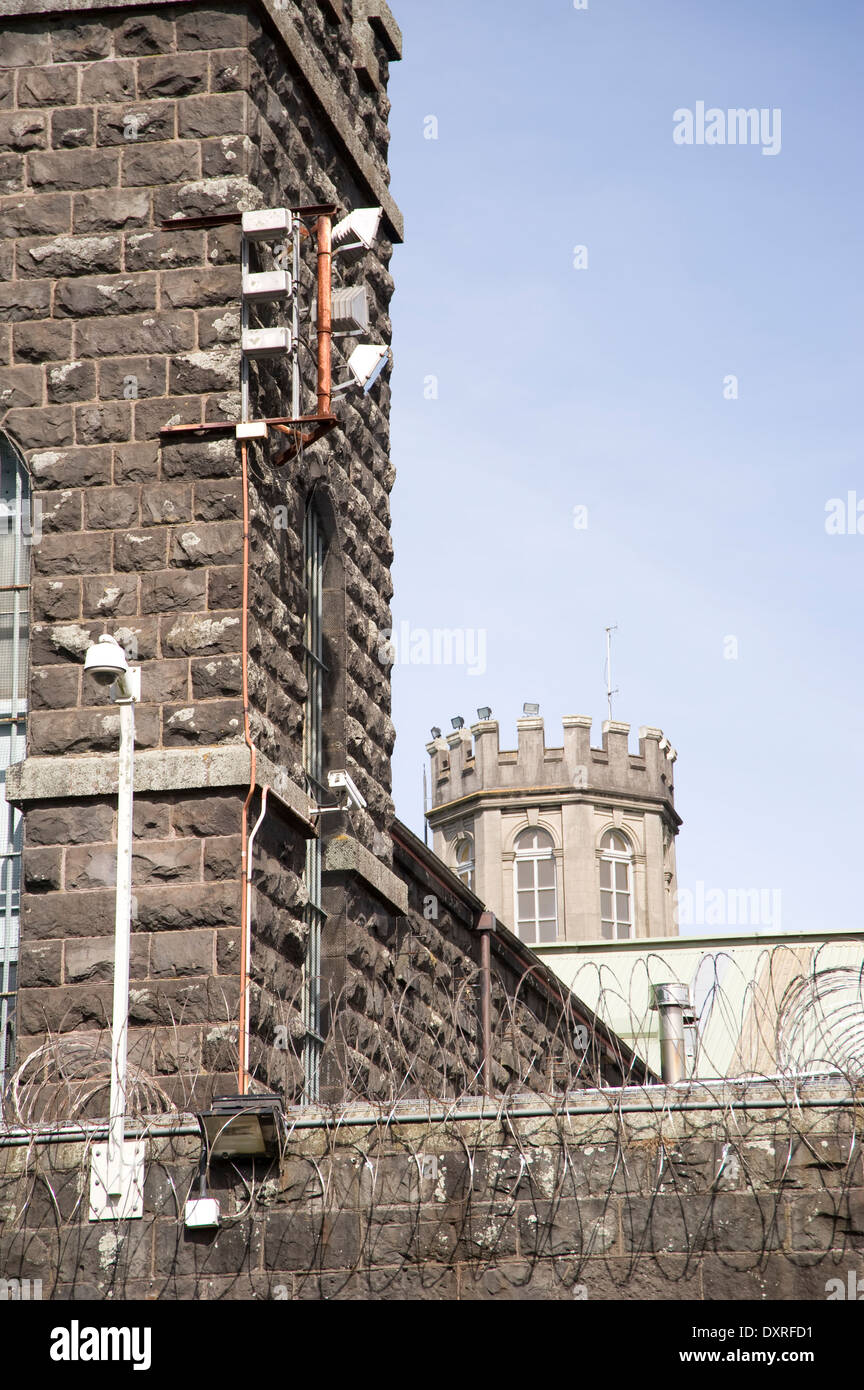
609	690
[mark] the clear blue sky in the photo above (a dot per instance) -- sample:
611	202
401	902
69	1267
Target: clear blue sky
604	388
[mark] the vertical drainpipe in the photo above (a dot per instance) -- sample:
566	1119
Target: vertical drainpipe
670	1001
325	313
486	924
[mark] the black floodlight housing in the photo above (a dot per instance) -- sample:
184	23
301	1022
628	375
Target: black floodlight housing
243	1126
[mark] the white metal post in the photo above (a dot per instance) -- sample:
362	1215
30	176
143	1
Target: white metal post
117	1171
122	939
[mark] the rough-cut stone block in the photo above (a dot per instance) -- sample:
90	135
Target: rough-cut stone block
160	163
136	463
215	677
23	130
222	860
164	503
176	954
25	300
215	458
224	587
121	208
211	28
73	381
92	959
130	378
213	721
150	819
143	34
172	75
54	687
88	731
78	43
164	250
60	511
74	169
110	595
42	342
112	81
136	121
199	634
45	215
207	815
218	500
164	682
168	590
174	907
229	71
216	369
90	296
137	551
110	507
43	872
51	86
72	127
207	543
151	417
142	334
21	386
55	599
71	467
217	326
26	47
61	641
96	424
75	823
34	429
68	255
199	117
200	288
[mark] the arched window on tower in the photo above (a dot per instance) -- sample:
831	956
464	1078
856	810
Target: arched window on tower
536	887
616	886
464	857
16	533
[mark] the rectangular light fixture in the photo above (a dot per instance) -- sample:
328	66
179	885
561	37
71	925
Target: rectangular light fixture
351	309
265	342
243	1126
267	224
265	285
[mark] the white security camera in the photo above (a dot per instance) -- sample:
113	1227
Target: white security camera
106	660
335	780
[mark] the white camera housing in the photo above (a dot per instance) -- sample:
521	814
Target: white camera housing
341	779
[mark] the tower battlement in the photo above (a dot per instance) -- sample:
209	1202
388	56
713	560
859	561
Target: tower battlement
470	761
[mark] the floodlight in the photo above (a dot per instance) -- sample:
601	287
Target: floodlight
531	710
267	224
435	731
457	722
350	312
366	364
359	228
484	712
106	660
260	286
243	1126
265	342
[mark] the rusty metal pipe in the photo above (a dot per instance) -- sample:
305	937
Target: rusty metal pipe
325	312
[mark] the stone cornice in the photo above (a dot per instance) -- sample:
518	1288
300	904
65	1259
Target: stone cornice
156	770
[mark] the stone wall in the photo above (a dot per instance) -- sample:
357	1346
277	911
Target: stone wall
648	1196
114	327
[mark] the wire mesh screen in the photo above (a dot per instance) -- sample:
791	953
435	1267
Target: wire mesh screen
16	533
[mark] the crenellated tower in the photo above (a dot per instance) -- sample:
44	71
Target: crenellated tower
569	843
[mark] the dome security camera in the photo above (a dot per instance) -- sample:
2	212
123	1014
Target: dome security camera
106	660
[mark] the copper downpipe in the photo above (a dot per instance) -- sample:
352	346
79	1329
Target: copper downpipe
243	1024
325	313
